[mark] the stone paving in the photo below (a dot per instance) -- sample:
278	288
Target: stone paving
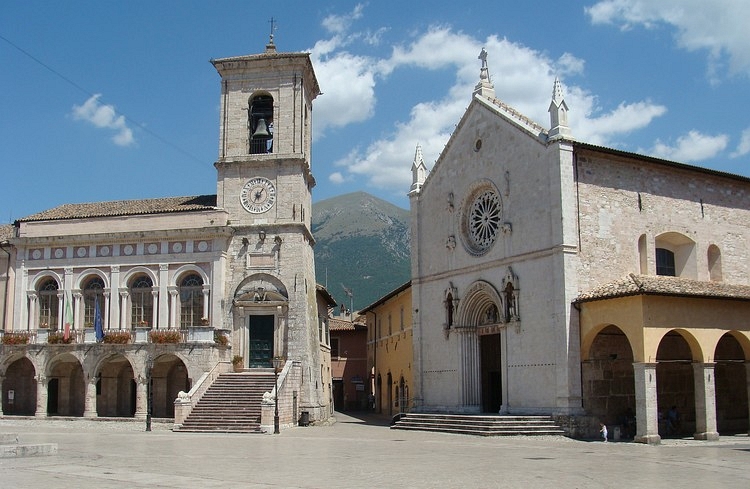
356	453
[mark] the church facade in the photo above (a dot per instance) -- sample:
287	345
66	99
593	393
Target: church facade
552	276
104	298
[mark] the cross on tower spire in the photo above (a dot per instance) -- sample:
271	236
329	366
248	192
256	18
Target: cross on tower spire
271	47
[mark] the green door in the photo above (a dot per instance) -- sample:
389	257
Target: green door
261	341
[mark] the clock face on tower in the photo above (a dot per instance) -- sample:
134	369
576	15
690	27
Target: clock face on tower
258	195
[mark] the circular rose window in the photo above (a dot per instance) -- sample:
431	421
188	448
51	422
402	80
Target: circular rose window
482	220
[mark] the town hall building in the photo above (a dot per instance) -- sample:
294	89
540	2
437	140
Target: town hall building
121	309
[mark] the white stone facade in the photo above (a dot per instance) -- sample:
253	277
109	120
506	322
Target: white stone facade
523	240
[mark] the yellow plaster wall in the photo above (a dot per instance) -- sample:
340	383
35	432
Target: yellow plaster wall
392	352
646	319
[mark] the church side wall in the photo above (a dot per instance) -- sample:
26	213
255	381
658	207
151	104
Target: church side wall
706	208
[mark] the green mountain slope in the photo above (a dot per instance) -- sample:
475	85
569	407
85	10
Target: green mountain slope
362	243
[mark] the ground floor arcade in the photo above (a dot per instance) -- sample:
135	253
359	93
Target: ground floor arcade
99	380
656	366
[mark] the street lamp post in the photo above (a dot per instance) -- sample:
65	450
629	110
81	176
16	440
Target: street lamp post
149	367
278	363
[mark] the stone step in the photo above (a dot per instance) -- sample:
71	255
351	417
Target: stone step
8	438
481	425
10	448
232	404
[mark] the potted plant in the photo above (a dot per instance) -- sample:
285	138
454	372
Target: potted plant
238	363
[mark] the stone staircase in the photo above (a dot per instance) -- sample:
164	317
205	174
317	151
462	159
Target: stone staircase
231	404
10	448
480	425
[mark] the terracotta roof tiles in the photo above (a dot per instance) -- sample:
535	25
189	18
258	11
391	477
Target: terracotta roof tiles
664	285
126	208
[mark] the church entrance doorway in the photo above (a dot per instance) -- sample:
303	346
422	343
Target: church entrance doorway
492	378
260	352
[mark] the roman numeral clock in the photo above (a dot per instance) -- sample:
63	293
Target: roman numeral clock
258	195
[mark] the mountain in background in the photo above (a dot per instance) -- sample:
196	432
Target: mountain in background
361	244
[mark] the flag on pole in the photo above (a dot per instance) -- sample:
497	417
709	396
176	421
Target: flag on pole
98	320
68	315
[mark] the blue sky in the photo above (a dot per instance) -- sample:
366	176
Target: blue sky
105	100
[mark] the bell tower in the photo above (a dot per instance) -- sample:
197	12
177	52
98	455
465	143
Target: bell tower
264	183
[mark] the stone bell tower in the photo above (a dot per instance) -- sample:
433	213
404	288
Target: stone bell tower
265	183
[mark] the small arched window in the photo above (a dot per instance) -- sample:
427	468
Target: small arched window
48	304
141	301
191	300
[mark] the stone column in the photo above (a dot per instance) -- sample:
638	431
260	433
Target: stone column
124	309
2	380
705	401
105	312
173	321
646	407
468	343
747	387
89	399
155	310
41	396
206	299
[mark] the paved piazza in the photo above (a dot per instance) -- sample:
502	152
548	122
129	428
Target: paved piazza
354	453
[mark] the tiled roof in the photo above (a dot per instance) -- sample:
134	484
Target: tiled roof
6	232
126	208
336	324
663	285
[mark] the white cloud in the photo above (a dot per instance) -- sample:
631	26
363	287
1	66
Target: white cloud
717	26
601	129
338	24
522	77
349	94
104	117
694	146
743	147
336	178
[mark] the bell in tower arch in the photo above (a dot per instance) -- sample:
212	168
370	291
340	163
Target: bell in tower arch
261	124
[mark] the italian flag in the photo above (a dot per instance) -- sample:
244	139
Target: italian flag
68	315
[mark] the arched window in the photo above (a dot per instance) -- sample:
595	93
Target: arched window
93	290
714	264
191	300
675	255
48	304
141	301
261	124
665	262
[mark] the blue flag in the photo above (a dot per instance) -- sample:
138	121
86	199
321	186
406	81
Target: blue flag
98	320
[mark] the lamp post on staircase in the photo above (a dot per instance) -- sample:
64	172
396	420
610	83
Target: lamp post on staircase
278	363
